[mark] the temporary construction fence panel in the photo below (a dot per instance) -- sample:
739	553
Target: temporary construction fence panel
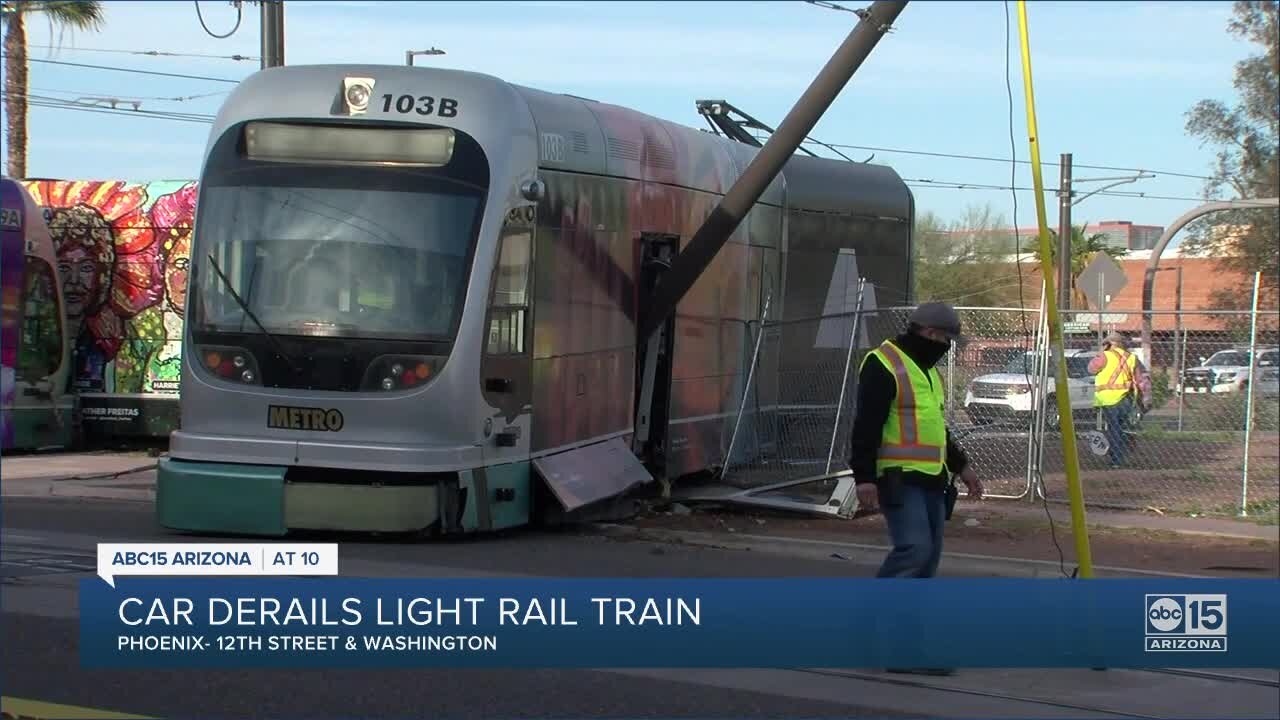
1186	452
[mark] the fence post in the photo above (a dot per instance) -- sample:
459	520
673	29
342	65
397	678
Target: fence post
1039	391
728	456
844	381
1248	403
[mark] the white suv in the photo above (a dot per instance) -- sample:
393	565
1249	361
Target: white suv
1227	371
1007	394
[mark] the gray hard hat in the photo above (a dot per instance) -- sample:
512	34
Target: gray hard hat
1116	338
939	316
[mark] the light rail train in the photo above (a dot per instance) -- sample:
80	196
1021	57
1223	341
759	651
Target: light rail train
36	412
413	299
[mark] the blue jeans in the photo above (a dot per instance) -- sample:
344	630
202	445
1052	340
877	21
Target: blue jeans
1117	418
915	527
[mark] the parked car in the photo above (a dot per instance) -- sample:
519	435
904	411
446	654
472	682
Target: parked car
1007	394
1227	371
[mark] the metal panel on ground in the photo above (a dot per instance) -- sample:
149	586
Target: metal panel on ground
588	474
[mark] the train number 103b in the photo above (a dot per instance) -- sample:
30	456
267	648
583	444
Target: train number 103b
422	105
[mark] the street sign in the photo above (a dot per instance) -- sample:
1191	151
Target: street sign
1101	278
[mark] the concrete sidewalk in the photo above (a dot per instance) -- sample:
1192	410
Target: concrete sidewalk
89	476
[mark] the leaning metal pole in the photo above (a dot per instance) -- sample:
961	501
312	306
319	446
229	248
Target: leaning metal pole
689	265
848	360
1079	528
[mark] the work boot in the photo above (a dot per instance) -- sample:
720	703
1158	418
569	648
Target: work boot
937	672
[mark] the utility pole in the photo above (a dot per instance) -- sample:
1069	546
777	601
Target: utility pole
272	33
689	265
1064	232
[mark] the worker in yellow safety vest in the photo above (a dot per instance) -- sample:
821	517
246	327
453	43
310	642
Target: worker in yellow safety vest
1119	383
901	454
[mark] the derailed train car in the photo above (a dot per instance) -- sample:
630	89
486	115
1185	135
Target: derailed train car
413	300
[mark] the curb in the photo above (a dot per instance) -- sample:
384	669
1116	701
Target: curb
103	493
866	554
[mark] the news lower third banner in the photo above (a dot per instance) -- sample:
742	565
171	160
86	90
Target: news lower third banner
325	621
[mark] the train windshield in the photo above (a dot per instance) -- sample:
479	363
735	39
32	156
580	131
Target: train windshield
311	246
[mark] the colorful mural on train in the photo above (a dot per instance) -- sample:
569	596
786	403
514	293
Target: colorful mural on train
123	250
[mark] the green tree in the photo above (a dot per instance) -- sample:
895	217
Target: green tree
965	262
1083	247
1248	161
61	14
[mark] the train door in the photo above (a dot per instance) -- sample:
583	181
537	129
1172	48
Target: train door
653	401
501	490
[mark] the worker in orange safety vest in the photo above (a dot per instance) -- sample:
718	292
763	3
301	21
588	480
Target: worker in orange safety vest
1119	385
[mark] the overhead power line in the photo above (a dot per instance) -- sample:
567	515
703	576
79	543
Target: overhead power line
955	185
59	104
151	53
86	93
133	70
987	158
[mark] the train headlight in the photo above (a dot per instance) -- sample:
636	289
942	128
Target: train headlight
356	92
233	364
400	372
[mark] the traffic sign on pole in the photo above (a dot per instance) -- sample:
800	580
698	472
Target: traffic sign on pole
1102	279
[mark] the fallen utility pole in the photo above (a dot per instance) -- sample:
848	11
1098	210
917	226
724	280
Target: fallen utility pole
689	265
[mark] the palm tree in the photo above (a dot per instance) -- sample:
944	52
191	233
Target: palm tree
1083	248
62	14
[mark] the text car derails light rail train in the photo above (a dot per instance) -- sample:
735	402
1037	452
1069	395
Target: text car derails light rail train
414	293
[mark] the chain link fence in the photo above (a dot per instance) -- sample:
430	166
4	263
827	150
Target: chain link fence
1185	454
1211	398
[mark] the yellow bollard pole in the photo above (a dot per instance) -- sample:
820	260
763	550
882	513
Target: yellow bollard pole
1078	528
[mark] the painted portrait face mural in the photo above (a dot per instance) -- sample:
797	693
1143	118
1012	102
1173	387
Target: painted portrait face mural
123	251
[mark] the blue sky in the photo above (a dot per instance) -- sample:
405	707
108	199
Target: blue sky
1113	80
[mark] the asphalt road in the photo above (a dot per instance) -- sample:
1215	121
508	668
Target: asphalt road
48	545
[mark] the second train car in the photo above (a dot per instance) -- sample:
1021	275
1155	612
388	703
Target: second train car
414	293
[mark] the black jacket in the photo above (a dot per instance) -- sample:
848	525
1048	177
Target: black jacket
876	392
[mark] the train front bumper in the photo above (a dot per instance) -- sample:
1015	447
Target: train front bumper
217	497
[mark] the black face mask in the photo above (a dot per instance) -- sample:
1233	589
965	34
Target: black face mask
924	351
936	350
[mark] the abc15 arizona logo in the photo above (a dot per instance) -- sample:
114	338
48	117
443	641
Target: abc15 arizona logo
1196	623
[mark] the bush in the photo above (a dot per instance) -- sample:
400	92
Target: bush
1161	391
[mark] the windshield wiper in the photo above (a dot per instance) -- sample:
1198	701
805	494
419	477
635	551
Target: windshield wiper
245	307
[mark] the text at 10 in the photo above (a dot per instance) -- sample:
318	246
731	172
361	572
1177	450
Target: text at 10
308	557
422	105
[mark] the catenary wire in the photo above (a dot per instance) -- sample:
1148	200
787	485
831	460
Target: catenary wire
152	53
109	111
134	70
60	103
987	158
96	94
